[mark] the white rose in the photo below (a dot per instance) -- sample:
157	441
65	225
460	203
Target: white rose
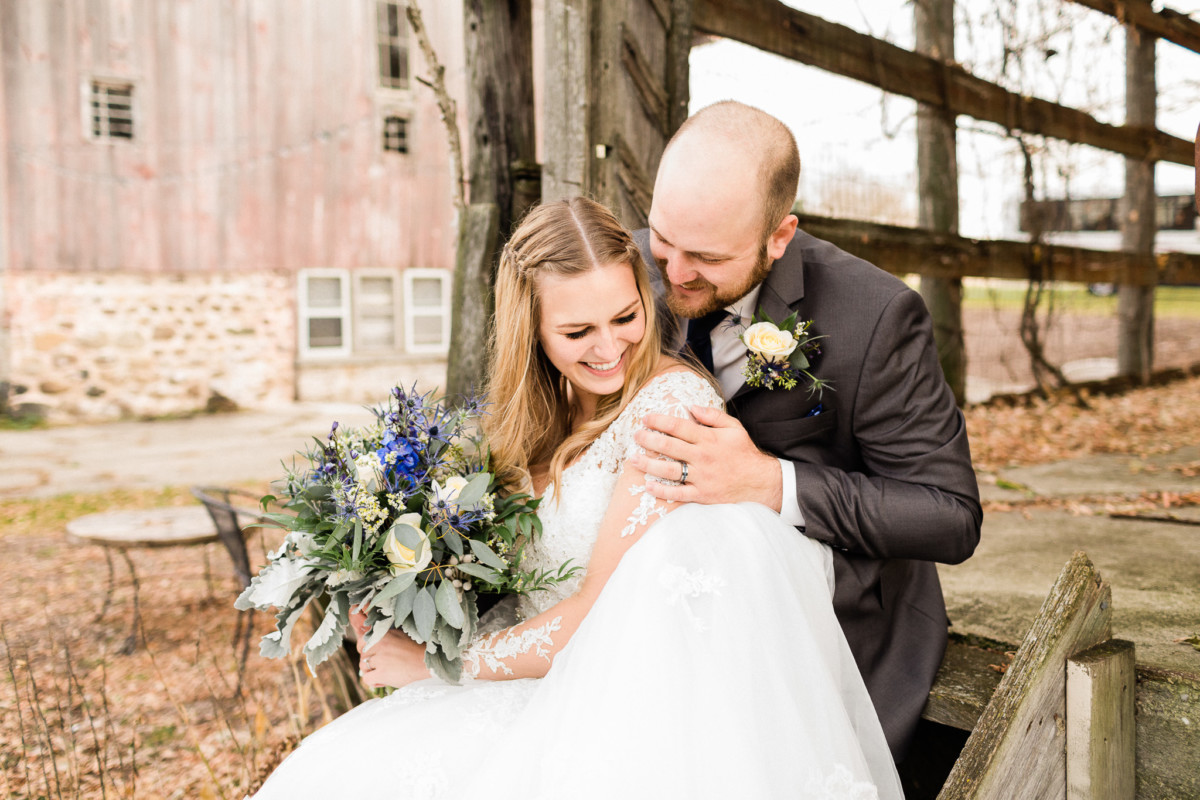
403	558
449	490
769	342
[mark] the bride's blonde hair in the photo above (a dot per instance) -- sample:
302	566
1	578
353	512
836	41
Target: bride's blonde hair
529	416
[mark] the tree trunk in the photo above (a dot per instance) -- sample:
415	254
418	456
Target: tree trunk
1135	304
937	171
503	170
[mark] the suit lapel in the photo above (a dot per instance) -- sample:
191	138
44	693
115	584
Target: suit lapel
781	292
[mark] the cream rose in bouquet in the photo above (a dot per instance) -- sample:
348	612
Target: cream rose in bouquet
403	520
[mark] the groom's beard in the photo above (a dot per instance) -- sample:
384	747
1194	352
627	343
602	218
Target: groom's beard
714	298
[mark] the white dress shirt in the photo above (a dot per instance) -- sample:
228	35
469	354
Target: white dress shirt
729	363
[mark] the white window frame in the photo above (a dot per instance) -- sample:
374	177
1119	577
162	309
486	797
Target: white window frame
344	311
357	308
411	312
87	113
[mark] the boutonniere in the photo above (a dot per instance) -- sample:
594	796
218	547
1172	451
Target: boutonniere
780	354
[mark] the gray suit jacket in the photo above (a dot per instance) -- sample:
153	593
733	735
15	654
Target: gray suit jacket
883	473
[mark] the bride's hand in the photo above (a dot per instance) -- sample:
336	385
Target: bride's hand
395	660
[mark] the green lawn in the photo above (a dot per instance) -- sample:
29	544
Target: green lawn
1169	301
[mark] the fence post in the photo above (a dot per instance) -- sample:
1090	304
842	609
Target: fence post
1101	752
937	176
1135	302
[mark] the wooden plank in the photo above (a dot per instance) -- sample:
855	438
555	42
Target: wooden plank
647	88
1167	24
1017	749
964	685
770	25
1168	734
565	157
1100	723
905	251
637	185
1135	301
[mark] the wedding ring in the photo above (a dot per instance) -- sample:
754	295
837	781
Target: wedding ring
683	470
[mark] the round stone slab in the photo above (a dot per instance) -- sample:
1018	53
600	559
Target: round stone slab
151	527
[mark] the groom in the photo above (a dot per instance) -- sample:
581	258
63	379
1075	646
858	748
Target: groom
876	465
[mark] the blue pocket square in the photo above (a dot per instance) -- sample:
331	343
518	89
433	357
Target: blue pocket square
815	410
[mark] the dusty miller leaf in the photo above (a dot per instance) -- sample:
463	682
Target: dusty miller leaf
448	605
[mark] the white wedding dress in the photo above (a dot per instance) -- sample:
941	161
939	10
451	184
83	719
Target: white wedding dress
710	666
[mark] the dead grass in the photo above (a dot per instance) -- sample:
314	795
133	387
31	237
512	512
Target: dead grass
80	720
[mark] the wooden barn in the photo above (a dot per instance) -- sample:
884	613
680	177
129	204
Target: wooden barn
235	200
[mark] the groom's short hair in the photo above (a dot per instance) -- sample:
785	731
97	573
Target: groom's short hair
752	128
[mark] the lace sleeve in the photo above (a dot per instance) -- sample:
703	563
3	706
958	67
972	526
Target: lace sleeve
528	649
673	394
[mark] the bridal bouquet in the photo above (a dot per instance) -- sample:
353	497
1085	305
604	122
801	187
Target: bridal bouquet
402	519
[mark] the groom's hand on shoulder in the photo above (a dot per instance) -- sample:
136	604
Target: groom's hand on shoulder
723	464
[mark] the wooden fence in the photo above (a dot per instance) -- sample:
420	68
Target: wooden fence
616	82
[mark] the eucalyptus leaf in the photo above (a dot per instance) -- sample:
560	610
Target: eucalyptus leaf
394	587
358	539
404	603
424	612
480	571
485	554
798	359
448	606
474	490
408	536
377	632
454	541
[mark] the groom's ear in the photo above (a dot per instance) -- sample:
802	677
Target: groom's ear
781	237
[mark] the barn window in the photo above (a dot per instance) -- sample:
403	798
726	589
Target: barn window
364	312
324	311
111	110
376	305
395	134
427	310
392	39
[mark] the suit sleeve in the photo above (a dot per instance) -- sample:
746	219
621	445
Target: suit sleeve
916	496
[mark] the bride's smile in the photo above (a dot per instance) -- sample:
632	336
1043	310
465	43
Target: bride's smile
589	324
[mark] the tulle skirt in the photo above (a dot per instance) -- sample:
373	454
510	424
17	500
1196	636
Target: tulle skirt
711	666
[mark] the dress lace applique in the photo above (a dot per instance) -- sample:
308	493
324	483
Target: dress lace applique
680	586
839	785
492	650
641	515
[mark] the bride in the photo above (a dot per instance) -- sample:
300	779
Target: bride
698	655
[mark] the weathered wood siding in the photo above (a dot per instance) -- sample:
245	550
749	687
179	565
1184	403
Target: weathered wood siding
257	141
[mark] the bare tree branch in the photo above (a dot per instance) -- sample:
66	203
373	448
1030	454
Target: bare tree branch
445	103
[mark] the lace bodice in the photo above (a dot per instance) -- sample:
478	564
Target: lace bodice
571	516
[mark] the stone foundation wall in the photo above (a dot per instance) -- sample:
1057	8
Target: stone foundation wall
368	381
91	347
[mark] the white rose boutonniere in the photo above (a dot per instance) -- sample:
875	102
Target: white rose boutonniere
407	545
767	340
780	354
